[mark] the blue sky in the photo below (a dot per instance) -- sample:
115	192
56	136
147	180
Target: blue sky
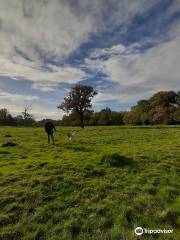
126	49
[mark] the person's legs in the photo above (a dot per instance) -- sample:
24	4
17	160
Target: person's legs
52	138
48	138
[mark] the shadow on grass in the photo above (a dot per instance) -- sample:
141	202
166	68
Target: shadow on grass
4	152
9	144
7	135
116	160
82	149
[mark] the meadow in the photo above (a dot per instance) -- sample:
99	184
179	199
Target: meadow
75	190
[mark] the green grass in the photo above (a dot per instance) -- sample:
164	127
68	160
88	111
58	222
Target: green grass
72	191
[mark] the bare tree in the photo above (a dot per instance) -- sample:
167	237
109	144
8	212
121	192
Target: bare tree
27	117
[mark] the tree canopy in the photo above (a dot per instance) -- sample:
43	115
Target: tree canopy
78	101
162	108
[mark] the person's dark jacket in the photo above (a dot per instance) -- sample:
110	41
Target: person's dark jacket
49	127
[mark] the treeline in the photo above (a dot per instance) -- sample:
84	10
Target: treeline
104	117
24	119
162	108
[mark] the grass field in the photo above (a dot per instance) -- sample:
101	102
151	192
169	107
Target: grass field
66	191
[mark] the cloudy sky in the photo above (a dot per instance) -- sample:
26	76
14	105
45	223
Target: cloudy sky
126	49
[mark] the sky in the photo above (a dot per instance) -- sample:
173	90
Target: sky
126	49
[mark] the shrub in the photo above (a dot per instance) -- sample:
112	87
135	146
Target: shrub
114	160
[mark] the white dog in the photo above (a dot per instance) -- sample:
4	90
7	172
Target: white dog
70	135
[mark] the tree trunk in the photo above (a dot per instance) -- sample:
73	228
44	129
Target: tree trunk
82	120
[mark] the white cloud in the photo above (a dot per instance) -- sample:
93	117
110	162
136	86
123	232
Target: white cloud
6	96
36	28
36	73
137	73
45	86
33	32
159	64
107	52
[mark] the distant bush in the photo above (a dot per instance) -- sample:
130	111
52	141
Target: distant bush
114	160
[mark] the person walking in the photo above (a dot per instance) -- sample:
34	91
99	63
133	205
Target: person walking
49	128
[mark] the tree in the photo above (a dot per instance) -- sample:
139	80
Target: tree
6	118
159	109
25	114
176	116
105	117
133	118
19	120
3	115
178	99
79	101
117	118
27	117
94	120
164	99
142	108
142	105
